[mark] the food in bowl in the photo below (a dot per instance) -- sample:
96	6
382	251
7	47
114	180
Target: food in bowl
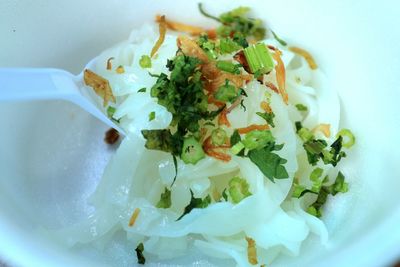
232	143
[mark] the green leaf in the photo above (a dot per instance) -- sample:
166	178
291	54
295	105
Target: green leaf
139	254
152	116
165	200
228	66
142	90
270	164
268	117
195	203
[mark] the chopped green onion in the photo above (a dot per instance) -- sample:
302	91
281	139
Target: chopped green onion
298	190
227	46
301	107
282	42
237	148
142	90
339	186
259	59
145	62
110	111
305	134
268	117
226	92
218	136
257	139
316	174
192	151
238	189
152	116
347	133
228	67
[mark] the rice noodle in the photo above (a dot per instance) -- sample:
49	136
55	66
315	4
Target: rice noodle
275	222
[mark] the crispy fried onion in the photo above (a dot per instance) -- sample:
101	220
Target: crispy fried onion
307	56
134	216
223	118
265	106
216	151
253	127
162	28
251	251
192	30
280	75
100	85
324	128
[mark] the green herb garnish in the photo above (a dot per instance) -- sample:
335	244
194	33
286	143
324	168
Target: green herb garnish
165	200
228	45
270	164
259	59
195	203
139	254
282	42
238	189
218	136
228	66
192	151
350	137
142	90
152	116
268	117
301	107
145	62
226	92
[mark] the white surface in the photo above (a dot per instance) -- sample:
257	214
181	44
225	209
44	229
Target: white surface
52	155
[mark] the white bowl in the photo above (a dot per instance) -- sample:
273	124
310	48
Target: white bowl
52	154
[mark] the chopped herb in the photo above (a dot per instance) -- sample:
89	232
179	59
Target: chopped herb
142	90
242	92
228	66
226	92
339	186
301	107
165	200
228	45
268	117
317	148
218	136
238	189
152	116
349	135
257	139
235	138
139	254
145	62
192	151
282	42
225	195
259	59
195	203
270	164
176	169
242	105
208	47
299	191
161	140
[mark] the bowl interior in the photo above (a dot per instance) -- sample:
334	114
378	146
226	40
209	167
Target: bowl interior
52	153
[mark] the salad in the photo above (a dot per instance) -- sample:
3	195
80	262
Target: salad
232	145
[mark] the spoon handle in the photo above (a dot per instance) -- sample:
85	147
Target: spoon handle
26	84
36	84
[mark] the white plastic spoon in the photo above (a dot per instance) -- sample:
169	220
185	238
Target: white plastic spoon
22	84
